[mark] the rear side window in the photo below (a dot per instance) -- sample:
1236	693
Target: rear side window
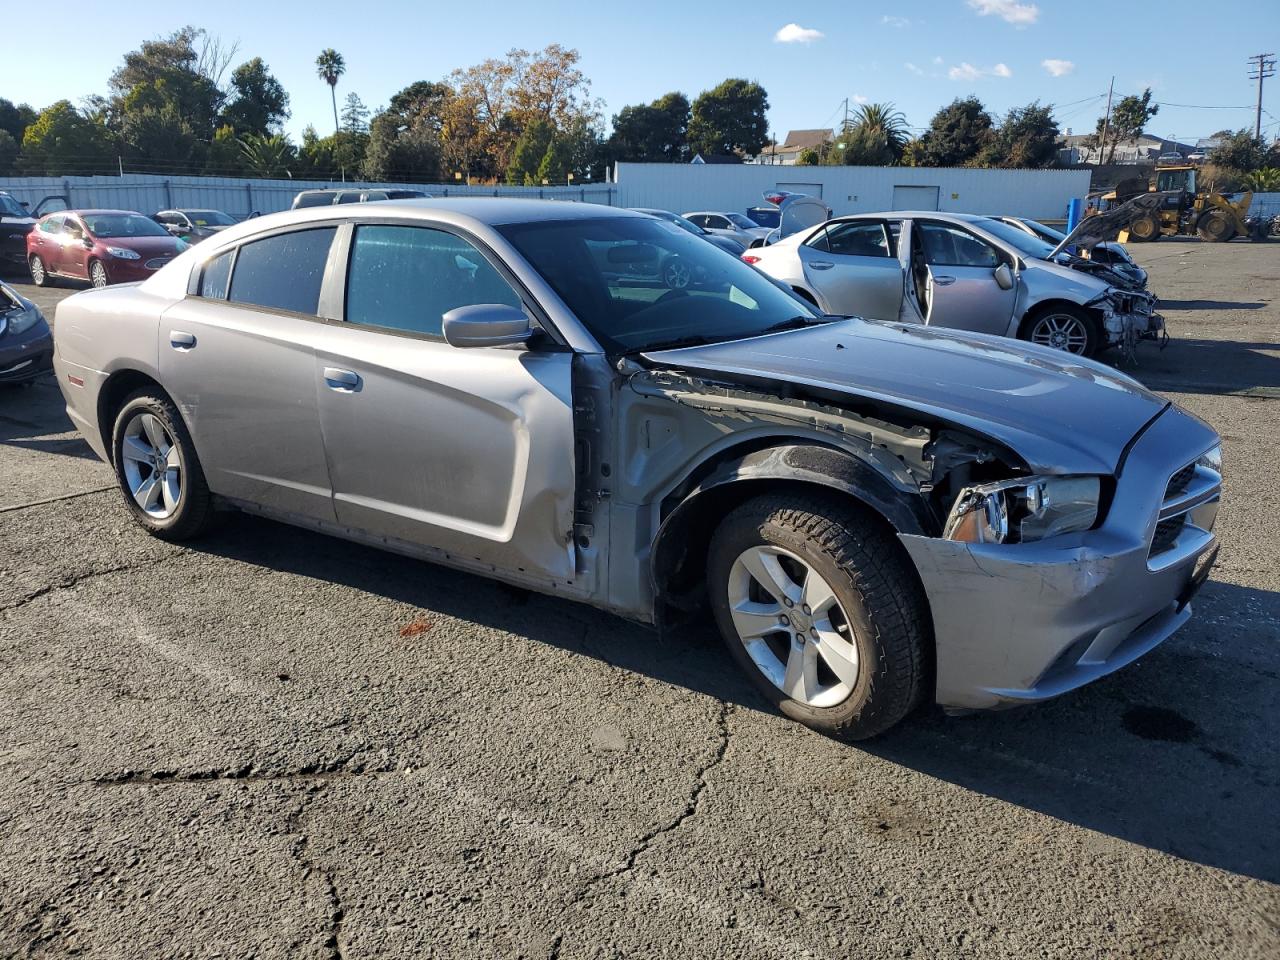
857	240
408	278
283	272
312	200
216	276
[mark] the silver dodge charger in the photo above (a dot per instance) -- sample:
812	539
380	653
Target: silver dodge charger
877	514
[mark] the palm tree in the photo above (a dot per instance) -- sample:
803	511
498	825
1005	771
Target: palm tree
330	66
883	123
265	156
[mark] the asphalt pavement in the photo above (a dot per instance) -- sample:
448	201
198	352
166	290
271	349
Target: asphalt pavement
274	744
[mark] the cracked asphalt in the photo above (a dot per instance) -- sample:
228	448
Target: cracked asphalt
273	744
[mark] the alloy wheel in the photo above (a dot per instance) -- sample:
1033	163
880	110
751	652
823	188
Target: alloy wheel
152	465
678	275
1062	332
37	271
97	274
792	626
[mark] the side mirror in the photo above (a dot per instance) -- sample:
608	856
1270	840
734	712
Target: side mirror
486	325
1004	277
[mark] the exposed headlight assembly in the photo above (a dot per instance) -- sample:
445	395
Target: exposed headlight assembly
123	253
20	320
1212	459
1023	510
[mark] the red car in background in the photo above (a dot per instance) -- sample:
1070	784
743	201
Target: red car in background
101	246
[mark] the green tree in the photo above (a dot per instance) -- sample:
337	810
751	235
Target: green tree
167	77
15	119
956	135
329	67
808	157
730	118
401	153
1262	180
1028	137
652	133
225	157
876	136
267	156
61	142
1129	117
259	103
355	115
530	149
8	152
154	131
1240	151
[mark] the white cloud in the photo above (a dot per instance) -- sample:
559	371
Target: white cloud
1058	68
914	69
937	61
794	33
967	71
889	21
1010	11
859	98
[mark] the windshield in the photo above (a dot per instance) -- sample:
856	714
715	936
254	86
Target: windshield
641	284
746	223
1019	239
209	218
1047	234
678	220
122	225
10	207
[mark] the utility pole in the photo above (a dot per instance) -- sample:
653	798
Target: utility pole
1106	121
845	127
1263	66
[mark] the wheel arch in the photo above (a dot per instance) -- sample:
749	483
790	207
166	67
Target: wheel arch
113	392
1040	307
735	475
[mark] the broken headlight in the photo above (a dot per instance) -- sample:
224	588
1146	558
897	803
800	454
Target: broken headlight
1023	510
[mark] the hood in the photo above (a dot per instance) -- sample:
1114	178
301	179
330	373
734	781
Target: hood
1091	231
26	223
1060	413
146	247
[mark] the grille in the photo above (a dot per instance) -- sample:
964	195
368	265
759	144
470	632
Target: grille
1166	533
1179	482
157	262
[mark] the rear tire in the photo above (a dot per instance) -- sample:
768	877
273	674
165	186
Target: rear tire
863	647
157	468
39	275
1215	227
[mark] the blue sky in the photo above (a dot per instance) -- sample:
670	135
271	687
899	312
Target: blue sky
919	55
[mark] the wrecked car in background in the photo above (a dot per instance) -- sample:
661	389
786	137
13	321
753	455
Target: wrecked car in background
1119	266
967	272
877	514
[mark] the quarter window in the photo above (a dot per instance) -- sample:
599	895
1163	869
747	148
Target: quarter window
951	247
216	276
408	278
283	272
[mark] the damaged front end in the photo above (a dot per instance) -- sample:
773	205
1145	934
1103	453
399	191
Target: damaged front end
1128	318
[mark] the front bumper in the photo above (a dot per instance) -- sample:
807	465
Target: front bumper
26	356
1131	319
131	271
1018	623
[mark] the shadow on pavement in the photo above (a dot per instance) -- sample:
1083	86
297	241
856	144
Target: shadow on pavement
1136	756
1211	366
32	417
1212	304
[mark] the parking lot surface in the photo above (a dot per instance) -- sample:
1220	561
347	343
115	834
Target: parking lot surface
274	744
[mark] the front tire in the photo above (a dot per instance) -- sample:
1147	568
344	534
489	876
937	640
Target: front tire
98	274
157	468
1144	229
819	605
1064	327
1215	227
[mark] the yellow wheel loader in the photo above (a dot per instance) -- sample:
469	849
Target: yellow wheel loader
1182	209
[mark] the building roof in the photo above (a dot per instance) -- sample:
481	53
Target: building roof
806	139
715	158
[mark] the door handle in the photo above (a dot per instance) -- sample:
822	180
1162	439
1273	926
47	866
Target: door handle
343	381
181	341
821	264
944	281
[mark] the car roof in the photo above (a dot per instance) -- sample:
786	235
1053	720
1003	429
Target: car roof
97	213
490	211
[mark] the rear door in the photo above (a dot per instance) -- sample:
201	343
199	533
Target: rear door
238	355
954	272
47	244
74	257
854	267
469	451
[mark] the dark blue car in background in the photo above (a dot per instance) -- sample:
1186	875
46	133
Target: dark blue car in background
26	343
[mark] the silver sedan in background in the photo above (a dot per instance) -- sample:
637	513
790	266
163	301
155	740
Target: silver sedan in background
962	271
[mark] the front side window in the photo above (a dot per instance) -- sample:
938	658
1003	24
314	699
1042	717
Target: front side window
283	272
946	246
10	207
408	278
740	221
641	284
71	227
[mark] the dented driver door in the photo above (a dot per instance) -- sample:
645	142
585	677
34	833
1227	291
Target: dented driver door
466	451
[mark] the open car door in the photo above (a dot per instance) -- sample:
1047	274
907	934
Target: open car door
796	212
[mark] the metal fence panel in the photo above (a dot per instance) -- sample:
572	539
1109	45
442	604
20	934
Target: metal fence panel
148	193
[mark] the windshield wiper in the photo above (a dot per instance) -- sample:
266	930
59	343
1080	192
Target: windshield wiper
795	323
696	340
